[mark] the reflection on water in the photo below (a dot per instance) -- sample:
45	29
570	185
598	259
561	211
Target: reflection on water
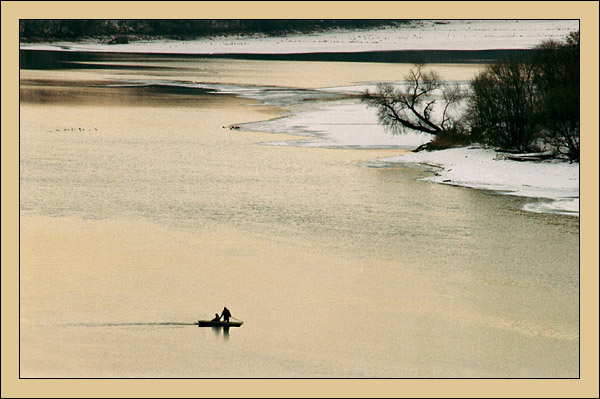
150	212
221	331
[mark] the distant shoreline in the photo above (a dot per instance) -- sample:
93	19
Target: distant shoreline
391	56
65	59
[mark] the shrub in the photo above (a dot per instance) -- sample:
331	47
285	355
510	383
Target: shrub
449	139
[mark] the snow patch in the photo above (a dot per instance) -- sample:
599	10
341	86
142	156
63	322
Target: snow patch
555	184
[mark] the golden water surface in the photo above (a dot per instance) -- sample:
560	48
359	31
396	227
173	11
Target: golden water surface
142	213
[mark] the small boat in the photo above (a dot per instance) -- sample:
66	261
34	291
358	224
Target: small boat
209	323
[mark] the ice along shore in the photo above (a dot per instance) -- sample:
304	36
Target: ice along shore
553	185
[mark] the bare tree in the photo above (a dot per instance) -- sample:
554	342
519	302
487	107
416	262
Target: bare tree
423	104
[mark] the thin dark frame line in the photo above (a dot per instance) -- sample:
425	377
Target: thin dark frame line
297	378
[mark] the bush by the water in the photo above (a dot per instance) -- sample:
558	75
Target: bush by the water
449	139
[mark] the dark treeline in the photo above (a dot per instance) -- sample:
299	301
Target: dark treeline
529	104
74	29
526	103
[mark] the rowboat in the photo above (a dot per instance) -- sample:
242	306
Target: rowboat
209	323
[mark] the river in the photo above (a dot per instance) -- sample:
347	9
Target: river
141	212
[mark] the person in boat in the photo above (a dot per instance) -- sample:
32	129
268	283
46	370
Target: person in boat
226	314
217	317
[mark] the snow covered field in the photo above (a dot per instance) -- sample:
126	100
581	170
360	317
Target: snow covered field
418	35
337	124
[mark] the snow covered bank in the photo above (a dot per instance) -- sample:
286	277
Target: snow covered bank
347	123
336	124
554	184
418	35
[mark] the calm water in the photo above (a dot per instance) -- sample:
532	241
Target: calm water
141	213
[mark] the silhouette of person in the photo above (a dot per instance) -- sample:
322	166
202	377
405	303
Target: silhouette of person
217	317
226	314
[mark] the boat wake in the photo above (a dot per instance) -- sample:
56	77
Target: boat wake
132	324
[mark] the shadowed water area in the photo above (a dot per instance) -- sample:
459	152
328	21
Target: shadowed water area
141	212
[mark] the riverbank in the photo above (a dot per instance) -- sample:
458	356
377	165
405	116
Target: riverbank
417	35
553	185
